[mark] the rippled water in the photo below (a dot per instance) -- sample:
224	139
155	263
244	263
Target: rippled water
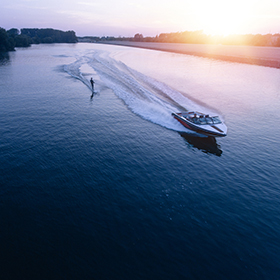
112	187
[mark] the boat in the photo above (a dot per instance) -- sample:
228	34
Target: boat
201	123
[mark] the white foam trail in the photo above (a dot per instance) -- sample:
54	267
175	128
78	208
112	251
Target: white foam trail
148	98
73	69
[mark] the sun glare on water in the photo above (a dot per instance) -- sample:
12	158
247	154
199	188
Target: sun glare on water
220	17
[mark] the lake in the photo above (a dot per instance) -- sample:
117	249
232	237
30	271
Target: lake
113	187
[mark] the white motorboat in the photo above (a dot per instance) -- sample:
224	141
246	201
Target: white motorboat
201	123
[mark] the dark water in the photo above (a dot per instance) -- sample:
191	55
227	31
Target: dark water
114	188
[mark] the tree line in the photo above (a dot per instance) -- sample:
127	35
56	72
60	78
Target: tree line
12	38
197	37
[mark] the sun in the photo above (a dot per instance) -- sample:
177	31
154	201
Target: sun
220	17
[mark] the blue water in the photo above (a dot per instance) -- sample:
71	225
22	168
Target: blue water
112	187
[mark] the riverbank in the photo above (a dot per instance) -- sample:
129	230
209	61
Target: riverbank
263	56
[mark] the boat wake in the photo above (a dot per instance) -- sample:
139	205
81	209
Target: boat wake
150	99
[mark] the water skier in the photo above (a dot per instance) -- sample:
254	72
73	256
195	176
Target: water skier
92	85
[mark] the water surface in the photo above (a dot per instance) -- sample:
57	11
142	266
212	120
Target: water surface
114	188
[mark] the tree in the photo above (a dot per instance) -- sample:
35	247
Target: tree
138	37
6	44
23	41
49	35
13	32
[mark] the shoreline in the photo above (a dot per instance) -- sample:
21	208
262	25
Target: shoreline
261	56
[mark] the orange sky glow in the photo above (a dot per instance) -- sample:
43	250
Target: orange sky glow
125	18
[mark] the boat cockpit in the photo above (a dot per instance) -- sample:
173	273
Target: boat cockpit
200	119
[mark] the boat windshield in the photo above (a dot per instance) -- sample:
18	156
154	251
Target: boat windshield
204	119
216	120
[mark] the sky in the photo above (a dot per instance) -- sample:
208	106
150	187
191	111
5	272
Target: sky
125	18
